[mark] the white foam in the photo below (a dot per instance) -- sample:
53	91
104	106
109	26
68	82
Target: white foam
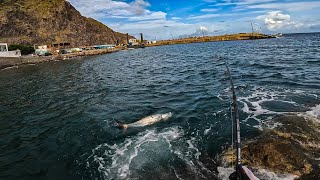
255	100
116	161
206	131
122	160
225	172
219	97
265	174
11	67
119	161
258	97
315	112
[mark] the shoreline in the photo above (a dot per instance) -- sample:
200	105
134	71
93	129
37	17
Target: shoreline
7	62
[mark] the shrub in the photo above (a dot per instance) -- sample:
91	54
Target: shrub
25	49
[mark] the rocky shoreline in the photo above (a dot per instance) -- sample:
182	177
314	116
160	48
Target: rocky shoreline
7	62
292	148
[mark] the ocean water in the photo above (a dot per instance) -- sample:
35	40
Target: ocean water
57	119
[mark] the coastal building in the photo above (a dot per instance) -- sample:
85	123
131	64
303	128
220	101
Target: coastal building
61	45
4	51
133	42
42	50
151	42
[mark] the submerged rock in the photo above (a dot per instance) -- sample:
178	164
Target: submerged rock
291	148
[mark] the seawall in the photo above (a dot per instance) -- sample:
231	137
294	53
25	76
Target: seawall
6	62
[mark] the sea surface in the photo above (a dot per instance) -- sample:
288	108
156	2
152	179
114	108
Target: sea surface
57	119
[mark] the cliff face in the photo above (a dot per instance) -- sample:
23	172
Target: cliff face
51	21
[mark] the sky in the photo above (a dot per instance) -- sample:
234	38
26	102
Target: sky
166	19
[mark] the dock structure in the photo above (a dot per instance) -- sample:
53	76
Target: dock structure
4	51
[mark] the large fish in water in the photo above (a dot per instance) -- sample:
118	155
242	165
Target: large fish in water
147	121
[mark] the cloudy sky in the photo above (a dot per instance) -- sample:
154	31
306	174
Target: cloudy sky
164	19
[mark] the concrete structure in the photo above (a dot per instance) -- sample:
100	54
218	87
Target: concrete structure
4	52
105	46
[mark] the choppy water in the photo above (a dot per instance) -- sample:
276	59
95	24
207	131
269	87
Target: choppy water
57	118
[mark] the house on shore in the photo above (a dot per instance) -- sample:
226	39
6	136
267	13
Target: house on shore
4	51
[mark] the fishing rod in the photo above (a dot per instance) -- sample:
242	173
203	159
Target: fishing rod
236	119
242	172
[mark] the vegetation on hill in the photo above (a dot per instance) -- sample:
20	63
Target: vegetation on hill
25	49
51	21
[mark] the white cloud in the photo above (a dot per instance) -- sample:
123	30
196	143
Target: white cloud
135	16
277	20
176	18
110	8
293	6
149	16
139	6
209	10
203	28
205	16
238	3
155	29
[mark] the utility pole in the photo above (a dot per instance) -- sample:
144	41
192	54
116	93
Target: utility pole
252	28
127	38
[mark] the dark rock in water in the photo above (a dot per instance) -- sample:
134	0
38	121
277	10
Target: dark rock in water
276	154
55	21
290	148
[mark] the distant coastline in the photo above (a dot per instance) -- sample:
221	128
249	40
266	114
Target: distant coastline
10	62
226	37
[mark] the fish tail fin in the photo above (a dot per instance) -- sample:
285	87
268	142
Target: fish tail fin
123	126
120	125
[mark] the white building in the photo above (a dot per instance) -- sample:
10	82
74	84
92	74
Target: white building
151	42
133	42
4	52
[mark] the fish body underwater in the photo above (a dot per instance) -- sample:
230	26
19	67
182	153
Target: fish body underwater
147	121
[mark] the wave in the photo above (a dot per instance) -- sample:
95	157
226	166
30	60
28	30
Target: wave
168	153
262	104
225	172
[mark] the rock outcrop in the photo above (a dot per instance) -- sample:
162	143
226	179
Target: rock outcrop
293	147
51	21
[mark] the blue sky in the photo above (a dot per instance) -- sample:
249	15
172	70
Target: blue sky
165	19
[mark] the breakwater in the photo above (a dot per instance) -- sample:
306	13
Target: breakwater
227	37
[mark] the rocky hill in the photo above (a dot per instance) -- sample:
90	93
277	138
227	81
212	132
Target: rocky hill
51	21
